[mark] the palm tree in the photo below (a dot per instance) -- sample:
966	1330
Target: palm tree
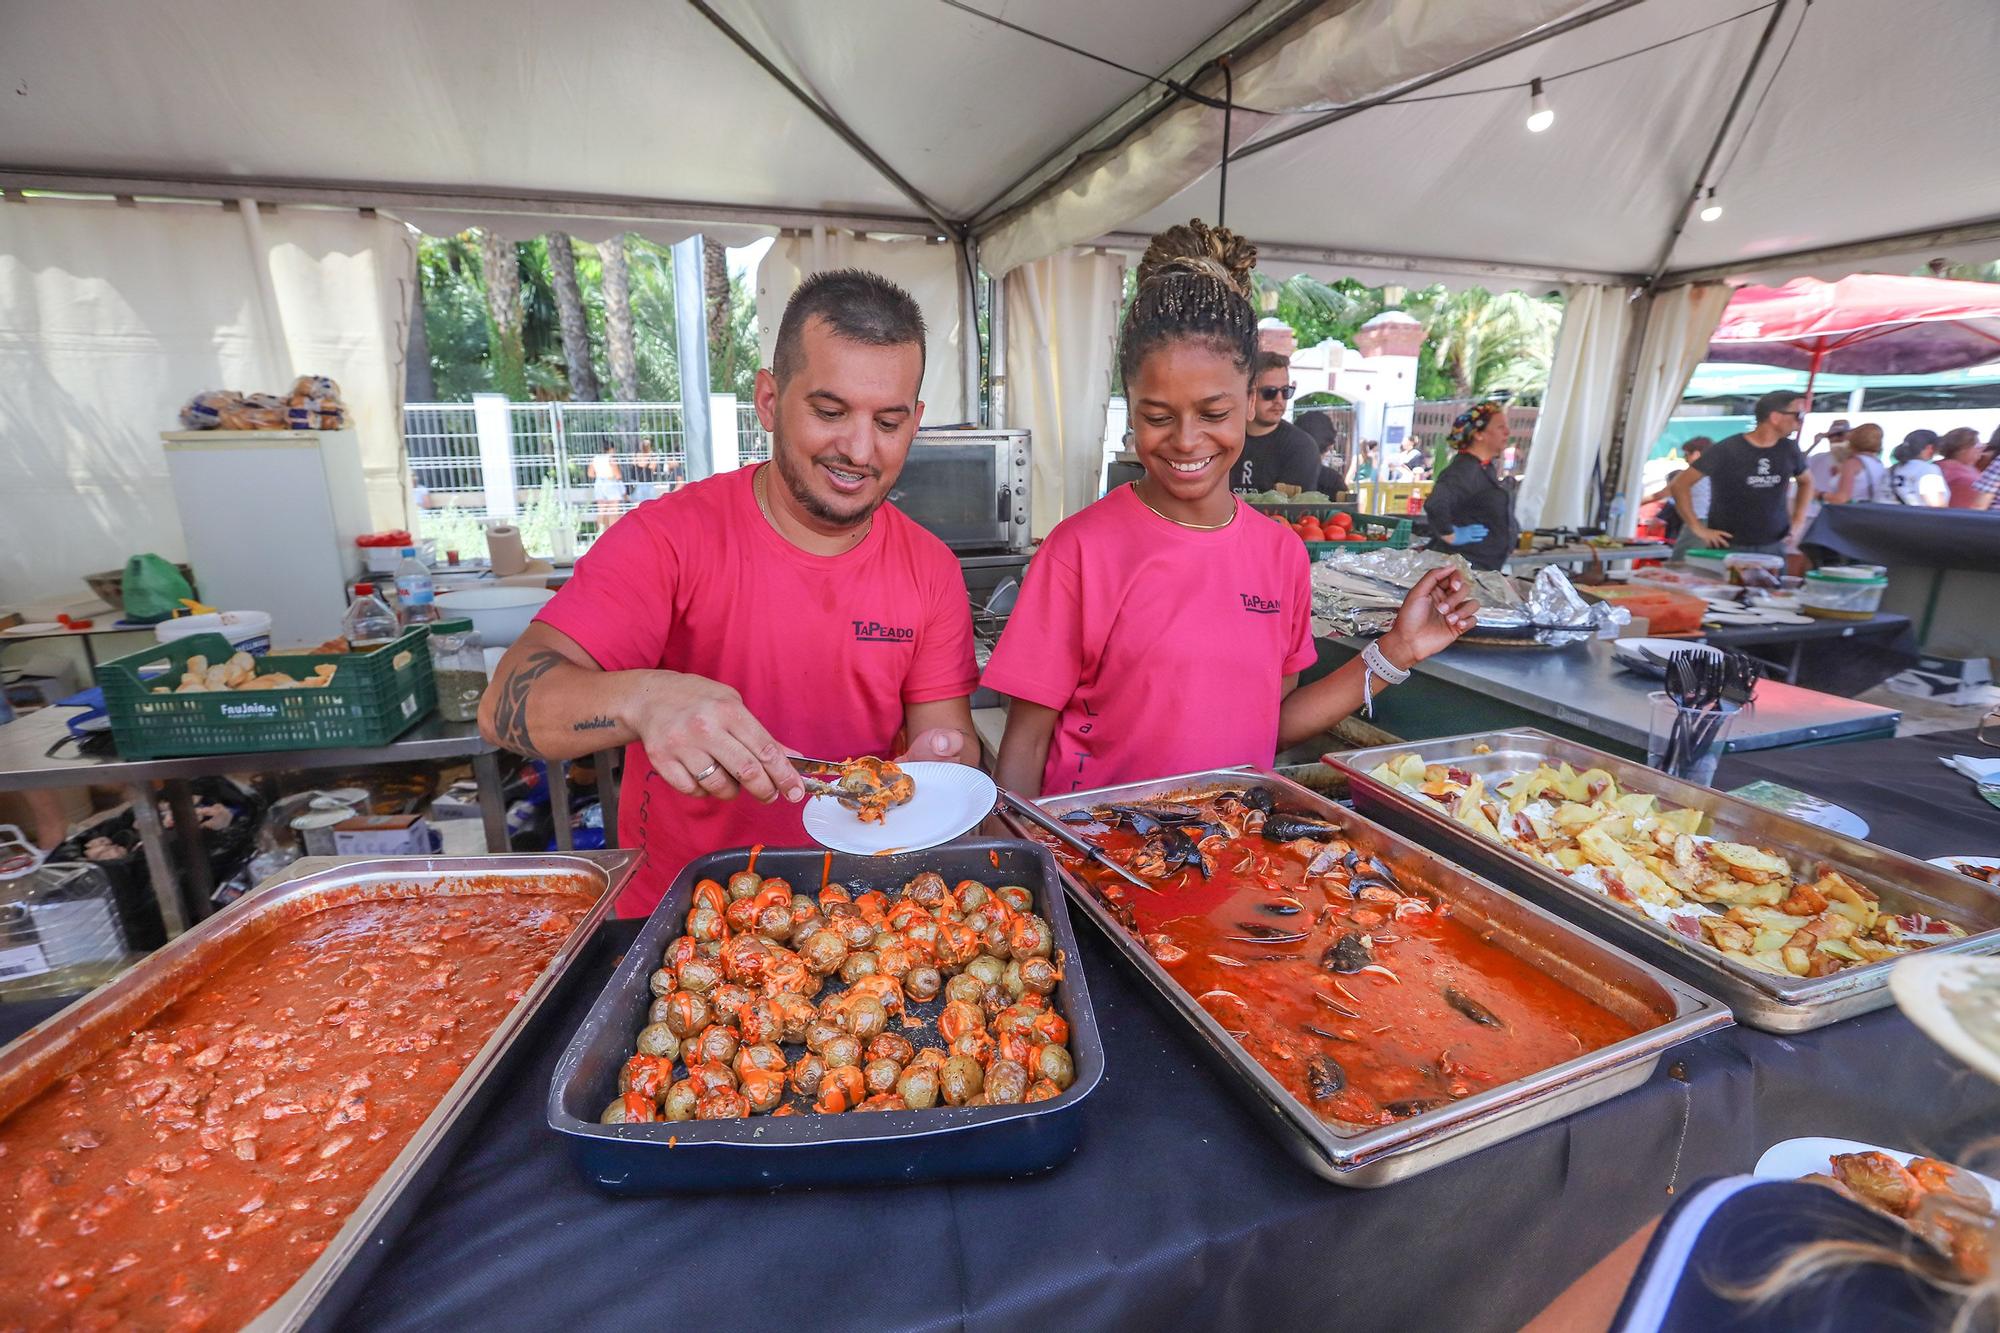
569	310
500	266
621	353
1487	343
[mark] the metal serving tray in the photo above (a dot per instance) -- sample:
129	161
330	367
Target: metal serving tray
79	1034
853	1148
1666	1012
1759	999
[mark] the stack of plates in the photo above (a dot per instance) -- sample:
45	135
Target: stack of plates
1649	657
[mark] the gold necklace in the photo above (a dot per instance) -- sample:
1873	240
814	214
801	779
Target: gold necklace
764	507
1183	523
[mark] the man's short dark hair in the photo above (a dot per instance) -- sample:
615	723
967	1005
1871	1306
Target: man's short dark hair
1773	403
1268	361
857	305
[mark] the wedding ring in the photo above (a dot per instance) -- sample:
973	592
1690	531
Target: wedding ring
707	773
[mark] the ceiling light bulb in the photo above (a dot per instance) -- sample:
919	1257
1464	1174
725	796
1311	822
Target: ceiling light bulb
1710	210
1540	114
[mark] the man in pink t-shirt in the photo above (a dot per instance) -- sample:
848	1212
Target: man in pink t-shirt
783	603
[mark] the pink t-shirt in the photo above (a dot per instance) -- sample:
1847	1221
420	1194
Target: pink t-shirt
1963	479
1162	647
825	650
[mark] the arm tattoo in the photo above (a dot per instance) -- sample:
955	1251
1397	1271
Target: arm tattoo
510	717
594	724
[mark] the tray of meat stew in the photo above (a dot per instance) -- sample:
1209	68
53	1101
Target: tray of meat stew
797	1017
230	1134
1381	1010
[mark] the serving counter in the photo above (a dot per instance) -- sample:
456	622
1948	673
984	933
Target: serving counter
1178	1209
1580	692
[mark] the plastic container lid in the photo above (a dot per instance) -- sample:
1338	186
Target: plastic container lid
364	590
1853	573
1827	576
451	627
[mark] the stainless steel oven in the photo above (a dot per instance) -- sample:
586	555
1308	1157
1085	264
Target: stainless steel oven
970	487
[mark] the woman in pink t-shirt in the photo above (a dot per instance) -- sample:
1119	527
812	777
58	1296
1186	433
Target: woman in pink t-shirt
1162	629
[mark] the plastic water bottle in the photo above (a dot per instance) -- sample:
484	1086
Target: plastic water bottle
369	623
414	590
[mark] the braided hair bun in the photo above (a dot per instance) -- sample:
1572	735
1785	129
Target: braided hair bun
1194	283
1195	247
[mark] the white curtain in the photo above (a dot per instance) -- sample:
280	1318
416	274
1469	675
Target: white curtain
1359	49
1676	338
1062	335
1579	409
928	271
111	317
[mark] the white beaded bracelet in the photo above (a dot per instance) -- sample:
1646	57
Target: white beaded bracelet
1375	663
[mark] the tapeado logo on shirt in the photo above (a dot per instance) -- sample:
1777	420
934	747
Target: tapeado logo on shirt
874	631
1262	606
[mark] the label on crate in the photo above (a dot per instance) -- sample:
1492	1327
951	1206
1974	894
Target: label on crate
22	960
252	712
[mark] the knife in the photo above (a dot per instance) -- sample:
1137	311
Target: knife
1033	814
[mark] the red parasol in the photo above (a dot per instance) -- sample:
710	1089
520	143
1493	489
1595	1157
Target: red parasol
1866	324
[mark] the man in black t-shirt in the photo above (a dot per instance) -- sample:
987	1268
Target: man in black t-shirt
1274	450
1759	490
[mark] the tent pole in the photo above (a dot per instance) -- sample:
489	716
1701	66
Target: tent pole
1715	147
996	353
969	342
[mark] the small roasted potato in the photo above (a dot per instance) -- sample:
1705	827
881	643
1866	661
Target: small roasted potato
960	1080
881	1075
659	1039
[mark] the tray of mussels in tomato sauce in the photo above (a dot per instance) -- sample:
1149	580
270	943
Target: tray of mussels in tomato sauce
1382	1010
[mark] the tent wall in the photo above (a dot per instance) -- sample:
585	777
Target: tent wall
1062	335
111	317
929	272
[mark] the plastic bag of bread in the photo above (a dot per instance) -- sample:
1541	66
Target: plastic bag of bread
311	390
204	410
257	411
315	418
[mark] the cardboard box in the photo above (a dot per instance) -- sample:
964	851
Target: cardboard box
383	835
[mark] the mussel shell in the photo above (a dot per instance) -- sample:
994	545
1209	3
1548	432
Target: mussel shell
1324	1077
1284	908
1415	1105
1471	1008
1347	954
1289	827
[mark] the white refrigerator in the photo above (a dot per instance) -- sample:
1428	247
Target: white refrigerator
270	518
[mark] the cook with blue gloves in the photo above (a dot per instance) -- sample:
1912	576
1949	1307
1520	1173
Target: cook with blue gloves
1471	508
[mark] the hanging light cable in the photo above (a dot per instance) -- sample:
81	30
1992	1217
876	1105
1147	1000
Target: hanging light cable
1540	114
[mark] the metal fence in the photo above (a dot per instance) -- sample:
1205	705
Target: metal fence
576	466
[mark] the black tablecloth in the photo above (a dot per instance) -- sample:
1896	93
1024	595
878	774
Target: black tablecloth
1178	1211
1843	657
1912	802
1892	534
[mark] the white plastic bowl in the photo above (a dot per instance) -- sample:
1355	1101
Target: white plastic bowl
498	614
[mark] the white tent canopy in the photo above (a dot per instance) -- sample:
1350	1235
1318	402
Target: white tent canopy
624	109
1857	133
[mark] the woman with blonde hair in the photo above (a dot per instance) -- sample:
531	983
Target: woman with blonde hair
1162	629
1862	478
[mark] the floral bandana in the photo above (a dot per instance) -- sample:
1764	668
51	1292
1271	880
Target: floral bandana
1470	422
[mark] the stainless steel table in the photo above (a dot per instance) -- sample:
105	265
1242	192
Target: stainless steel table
1520	563
25	763
1581	692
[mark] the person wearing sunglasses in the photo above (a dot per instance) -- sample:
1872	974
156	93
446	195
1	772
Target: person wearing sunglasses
1275	452
1750	475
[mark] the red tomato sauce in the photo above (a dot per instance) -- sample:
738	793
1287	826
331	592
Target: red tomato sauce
1361	1048
189	1175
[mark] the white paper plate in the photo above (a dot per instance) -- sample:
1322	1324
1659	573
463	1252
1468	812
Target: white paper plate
1802	1157
33	627
1627	653
1955	999
1742	617
1951	863
950	799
